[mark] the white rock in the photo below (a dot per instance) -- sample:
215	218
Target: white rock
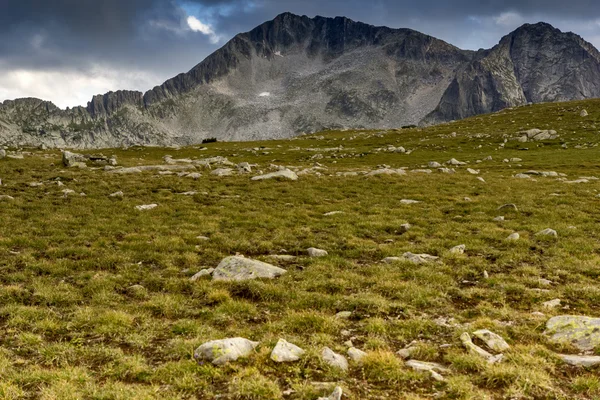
329	214
431	367
220	352
474	349
492	340
222	172
343	314
513	236
460	249
387	171
238	268
454	161
356	355
286	352
146	207
282	174
201	273
522	176
194	175
580	361
116	194
418	258
499	219
547	232
314	252
480	179
551	304
472	171
583	113
434	164
334	359
408	201
336	395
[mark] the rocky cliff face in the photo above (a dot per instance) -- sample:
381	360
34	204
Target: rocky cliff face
296	74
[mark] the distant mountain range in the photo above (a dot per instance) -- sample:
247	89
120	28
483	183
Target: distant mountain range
296	74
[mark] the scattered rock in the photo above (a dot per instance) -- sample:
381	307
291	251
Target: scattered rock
222	172
201	273
116	194
2	154
433	368
460	249
194	175
537	135
146	207
329	214
474	349
454	161
473	171
356	355
387	171
551	304
238	268
492	340
286	352
513	236
434	164
547	232
343	314
499	219
336	395
69	158
418	258
220	352
509	206
282	257
6	197
583	113
582	332
405	228
580	361
314	252
522	176
334	359
407	201
282	174
480	179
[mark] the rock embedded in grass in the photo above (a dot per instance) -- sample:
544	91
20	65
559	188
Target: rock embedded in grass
492	340
116	194
336	395
455	162
580	361
509	206
356	355
547	232
314	252
220	352
146	207
333	359
433	368
551	304
513	236
465	338
238	268
434	164
460	249
579	331
409	201
418	258
222	172
282	174
286	352
201	273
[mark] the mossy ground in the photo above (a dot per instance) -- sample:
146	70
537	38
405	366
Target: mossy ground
71	326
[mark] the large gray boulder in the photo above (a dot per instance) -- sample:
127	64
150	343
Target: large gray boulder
581	332
238	268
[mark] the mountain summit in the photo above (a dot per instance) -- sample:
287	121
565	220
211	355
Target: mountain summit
297	74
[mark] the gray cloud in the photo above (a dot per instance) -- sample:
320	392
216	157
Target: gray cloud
136	44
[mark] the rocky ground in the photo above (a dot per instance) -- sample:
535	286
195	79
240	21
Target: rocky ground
454	262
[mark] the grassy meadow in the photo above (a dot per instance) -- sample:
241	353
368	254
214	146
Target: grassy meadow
96	300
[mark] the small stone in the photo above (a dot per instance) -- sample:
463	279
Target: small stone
336	395
486	275
480	179
203	238
116	194
194	175
473	171
522	176
405	228
332	213
492	340
580	361
408	201
499	219
509	206
474	349
220	352
334	359
146	207
454	161
201	273
434	164
551	304
314	252
222	172
460	249
583	113
238	268
282	174
286	352
432	368
418	258
356	355
547	232
513	236
343	314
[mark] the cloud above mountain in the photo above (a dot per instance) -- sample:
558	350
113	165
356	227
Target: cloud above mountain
68	50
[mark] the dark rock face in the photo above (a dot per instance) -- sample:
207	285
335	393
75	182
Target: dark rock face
296	74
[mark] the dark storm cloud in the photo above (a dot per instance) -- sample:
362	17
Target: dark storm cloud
152	37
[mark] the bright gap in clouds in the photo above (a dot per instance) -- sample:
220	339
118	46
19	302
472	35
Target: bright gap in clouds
198	26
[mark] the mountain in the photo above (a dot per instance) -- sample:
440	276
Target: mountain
297	74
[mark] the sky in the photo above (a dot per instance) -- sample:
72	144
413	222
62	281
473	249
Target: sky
66	51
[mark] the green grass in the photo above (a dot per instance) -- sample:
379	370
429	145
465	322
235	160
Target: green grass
74	326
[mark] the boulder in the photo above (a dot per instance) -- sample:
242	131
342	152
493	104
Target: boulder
220	352
69	158
238	268
581	332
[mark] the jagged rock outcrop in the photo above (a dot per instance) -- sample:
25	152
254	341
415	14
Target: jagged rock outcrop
297	74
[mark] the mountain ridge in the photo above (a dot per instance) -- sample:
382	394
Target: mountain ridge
296	74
